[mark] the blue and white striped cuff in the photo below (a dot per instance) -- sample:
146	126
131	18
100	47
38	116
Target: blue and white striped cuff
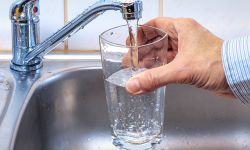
236	62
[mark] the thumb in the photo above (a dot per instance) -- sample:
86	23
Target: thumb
154	78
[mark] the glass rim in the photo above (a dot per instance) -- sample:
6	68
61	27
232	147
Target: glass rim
126	46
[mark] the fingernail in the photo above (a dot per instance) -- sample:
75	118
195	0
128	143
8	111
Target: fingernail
133	86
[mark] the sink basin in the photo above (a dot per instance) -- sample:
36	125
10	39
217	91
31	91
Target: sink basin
68	111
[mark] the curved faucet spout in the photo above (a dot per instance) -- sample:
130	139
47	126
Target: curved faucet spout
72	27
28	53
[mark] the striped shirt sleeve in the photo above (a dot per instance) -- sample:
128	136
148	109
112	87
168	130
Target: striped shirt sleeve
236	62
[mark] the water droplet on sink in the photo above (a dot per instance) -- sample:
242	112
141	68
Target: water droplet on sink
4	84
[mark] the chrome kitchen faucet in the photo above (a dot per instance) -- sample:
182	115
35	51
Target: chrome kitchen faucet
28	52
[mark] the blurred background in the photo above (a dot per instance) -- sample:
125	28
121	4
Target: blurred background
226	18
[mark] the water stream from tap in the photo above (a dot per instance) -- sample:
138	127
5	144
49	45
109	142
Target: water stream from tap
133	30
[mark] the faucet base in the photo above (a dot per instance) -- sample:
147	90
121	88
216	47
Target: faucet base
32	66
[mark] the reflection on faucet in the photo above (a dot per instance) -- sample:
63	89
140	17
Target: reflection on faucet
24	14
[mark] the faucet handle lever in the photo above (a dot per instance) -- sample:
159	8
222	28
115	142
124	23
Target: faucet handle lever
24	10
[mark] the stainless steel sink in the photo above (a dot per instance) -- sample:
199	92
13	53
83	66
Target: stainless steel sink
66	110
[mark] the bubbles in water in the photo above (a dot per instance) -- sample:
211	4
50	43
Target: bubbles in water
135	117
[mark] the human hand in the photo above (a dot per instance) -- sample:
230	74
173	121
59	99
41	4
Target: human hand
194	56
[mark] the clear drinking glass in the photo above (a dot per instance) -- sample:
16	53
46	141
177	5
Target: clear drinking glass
136	121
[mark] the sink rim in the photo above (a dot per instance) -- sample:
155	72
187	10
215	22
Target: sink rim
37	84
22	89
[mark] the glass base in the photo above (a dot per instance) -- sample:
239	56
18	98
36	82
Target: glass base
123	145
